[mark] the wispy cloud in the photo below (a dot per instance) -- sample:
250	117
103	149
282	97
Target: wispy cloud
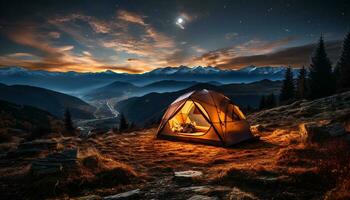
131	17
293	56
249	48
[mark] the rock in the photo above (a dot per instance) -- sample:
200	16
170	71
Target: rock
319	131
55	163
189	173
336	129
133	194
32	148
39	144
258	128
202	197
207	189
312	132
237	194
186	177
90	197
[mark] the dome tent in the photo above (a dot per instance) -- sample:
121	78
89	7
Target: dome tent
204	116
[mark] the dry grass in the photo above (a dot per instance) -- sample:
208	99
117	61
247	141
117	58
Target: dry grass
278	165
93	173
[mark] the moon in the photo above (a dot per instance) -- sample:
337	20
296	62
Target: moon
180	22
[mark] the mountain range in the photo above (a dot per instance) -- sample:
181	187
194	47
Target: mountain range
78	84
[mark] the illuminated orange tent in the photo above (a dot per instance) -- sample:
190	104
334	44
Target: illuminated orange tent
204	116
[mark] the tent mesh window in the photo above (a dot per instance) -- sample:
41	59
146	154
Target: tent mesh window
189	120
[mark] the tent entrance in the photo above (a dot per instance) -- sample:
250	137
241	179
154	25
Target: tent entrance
189	120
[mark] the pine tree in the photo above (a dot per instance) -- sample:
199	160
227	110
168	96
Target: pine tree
123	124
301	84
322	81
287	90
68	123
270	100
342	71
262	102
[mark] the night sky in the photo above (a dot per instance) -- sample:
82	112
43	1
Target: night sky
137	36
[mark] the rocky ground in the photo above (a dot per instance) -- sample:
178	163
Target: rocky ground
302	153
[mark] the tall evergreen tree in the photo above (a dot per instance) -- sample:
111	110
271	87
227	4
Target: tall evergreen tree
342	71
68	123
123	124
262	102
287	90
270	101
322	81
301	84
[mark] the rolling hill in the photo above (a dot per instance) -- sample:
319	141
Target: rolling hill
120	90
23	117
48	100
149	108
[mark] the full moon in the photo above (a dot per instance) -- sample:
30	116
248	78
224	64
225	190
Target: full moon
180	22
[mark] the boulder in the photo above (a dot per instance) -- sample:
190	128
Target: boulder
33	148
39	144
55	163
313	132
189	173
133	194
207	189
186	177
202	197
336	129
237	194
319	131
258	128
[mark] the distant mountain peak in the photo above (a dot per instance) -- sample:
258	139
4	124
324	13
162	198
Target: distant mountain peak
185	69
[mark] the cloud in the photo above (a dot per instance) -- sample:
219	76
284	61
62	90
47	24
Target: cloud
54	34
198	49
230	36
97	25
131	17
249	48
47	56
152	47
293	56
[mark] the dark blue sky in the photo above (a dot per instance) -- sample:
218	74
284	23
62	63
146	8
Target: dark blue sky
137	36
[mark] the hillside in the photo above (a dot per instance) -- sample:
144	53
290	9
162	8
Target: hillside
333	108
150	107
290	160
23	117
51	101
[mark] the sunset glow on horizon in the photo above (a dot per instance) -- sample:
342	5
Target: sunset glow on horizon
122	37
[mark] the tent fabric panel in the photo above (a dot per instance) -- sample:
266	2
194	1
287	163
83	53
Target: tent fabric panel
203	96
183	97
237	131
238	112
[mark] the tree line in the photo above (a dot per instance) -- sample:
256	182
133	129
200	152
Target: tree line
319	80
